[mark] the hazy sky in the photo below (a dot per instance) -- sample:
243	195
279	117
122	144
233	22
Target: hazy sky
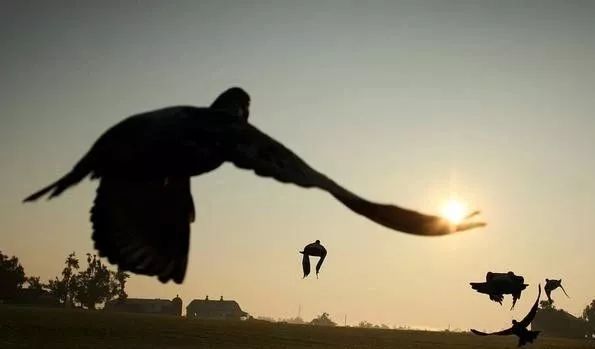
405	102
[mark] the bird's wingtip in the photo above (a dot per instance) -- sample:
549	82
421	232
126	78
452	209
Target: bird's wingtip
30	198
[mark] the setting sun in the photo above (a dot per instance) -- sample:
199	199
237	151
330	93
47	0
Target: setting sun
454	210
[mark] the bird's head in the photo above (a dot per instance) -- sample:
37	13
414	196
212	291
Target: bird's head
317	242
235	101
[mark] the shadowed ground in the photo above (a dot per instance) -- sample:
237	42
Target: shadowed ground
22	327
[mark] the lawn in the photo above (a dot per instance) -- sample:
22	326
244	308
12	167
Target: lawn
25	327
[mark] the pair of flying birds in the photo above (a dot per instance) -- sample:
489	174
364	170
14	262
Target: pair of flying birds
143	208
499	284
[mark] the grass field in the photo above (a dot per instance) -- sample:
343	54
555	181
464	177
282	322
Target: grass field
24	327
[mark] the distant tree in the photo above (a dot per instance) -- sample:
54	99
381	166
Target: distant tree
57	288
547	304
589	314
64	289
34	284
385	327
94	285
365	324
118	284
12	276
323	320
296	320
89	287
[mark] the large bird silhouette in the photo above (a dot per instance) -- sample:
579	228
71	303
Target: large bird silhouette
552	284
143	207
499	284
519	328
314	249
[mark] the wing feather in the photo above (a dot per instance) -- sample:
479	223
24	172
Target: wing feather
306	264
319	264
144	226
531	315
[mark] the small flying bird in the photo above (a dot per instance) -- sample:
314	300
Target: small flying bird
519	328
499	284
313	249
143	207
551	285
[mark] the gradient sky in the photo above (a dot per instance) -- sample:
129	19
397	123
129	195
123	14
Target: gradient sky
405	102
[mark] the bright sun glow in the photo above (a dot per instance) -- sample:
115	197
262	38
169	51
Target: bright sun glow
454	210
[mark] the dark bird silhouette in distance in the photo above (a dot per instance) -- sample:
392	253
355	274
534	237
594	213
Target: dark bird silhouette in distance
313	249
499	284
552	284
143	207
519	328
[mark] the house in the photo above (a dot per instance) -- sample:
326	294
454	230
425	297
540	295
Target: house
215	310
146	306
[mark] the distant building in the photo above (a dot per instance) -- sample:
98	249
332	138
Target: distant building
215	310
558	323
146	306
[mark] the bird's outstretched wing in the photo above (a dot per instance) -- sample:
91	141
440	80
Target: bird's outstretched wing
151	145
320	261
144	226
531	315
306	264
249	148
506	332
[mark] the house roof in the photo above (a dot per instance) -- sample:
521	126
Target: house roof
219	306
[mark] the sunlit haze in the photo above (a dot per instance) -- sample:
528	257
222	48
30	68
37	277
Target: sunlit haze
454	210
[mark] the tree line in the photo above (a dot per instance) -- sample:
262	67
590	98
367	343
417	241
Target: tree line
323	319
75	287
